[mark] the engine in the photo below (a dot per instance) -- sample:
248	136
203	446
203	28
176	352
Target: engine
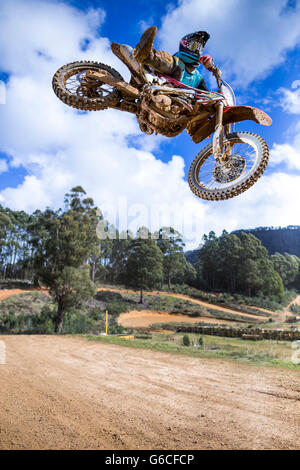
162	114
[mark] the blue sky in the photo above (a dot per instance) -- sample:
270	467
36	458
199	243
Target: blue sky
255	42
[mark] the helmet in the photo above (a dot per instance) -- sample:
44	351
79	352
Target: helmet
192	45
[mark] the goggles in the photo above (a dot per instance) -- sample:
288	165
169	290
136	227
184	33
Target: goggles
195	46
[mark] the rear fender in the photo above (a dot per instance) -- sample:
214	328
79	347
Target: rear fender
231	115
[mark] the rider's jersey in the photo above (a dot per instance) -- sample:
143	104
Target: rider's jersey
194	80
191	79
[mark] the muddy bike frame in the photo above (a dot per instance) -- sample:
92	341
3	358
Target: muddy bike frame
220	122
226	113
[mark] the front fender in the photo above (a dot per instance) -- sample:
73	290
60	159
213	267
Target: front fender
231	114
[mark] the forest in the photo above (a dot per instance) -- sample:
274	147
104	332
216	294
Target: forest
65	251
242	264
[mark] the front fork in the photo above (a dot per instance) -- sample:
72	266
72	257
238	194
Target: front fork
220	155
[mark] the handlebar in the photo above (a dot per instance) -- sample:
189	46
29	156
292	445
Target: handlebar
217	74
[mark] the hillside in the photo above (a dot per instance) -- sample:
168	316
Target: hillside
277	239
274	239
192	256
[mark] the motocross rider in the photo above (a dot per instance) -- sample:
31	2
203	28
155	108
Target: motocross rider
183	65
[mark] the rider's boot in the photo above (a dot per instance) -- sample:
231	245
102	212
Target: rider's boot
145	44
145	54
124	52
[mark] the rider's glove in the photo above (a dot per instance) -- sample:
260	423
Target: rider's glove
207	61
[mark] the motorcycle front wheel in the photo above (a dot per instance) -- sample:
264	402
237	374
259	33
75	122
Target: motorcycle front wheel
215	181
72	87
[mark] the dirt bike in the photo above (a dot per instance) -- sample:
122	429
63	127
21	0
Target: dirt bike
226	167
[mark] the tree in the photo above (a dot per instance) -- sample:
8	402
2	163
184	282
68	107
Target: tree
171	244
144	266
239	264
286	266
5	226
209	260
72	286
118	257
256	271
99	264
230	251
64	242
190	274
250	279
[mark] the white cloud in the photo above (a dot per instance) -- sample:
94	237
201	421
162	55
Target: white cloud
249	38
36	33
273	202
3	166
290	100
104	152
287	154
2	92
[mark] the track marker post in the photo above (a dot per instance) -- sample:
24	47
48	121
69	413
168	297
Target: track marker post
106	322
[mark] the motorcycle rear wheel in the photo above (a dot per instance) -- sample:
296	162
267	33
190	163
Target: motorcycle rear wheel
209	180
69	86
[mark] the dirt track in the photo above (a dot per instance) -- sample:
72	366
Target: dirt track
145	318
68	393
6	293
195	301
286	311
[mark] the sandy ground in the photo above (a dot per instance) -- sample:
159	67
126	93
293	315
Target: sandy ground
296	301
286	311
5	293
69	393
145	318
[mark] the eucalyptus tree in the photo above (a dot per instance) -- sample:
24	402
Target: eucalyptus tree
171	244
287	267
209	260
64	241
144	266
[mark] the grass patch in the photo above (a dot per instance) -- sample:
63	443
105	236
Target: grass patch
237	301
295	309
266	353
35	313
231	316
116	303
27	303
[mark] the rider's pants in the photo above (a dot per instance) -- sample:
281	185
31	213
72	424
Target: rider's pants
163	62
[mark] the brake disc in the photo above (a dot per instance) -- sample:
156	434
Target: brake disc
230	170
